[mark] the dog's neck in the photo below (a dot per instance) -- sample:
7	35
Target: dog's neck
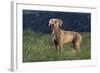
56	30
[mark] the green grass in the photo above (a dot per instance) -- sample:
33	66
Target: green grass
39	47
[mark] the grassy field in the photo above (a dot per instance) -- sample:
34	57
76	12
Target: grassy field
39	47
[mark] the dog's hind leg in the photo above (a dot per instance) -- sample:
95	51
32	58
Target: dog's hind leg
77	46
78	42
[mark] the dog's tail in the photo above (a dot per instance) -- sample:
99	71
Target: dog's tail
79	37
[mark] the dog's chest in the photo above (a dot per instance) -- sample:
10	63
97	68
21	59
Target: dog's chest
55	35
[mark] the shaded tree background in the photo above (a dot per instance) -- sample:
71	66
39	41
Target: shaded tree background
72	21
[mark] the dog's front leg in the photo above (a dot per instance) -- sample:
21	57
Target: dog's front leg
61	43
56	45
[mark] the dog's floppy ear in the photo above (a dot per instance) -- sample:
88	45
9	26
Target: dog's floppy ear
49	22
60	22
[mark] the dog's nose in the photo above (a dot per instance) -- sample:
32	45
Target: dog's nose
51	25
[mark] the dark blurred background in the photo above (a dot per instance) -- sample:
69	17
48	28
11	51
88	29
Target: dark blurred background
37	21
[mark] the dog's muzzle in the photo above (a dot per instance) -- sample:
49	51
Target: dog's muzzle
51	25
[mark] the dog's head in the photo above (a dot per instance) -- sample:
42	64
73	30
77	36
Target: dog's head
55	23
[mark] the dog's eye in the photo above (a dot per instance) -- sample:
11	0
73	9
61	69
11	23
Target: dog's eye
55	21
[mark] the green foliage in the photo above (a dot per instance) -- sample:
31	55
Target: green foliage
39	47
